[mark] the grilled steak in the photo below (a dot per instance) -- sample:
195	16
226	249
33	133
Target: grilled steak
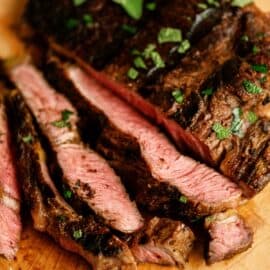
10	220
165	241
85	236
85	174
229	235
152	169
204	99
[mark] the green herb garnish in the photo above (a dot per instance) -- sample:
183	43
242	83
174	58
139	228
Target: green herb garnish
202	6
237	122
63	122
132	73
148	50
78	234
184	46
241	3
263	79
61	218
245	38
208	91
88	19
260	68
78	2
169	35
28	138
134	8
72	23
213	3
255	49
178	96
139	63
157	60
151	6
129	29
252	117
221	132
183	199
251	87
67	194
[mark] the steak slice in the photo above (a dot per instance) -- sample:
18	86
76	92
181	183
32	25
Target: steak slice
50	213
10	220
166	241
150	166
85	173
229	235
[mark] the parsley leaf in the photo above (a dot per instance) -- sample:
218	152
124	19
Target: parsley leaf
63	122
202	6
252	117
139	63
151	6
67	193
251	87
72	23
78	234
157	60
134	8
133	73
148	50
237	122
88	19
78	2
208	91
184	46
255	49
260	68
28	138
241	3
183	199
221	132
169	35
129	29
178	96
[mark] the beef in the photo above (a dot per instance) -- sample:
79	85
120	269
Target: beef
229	235
170	250
50	213
85	174
225	58
154	172
10	220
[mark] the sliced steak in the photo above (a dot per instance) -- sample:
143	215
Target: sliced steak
10	220
166	241
85	173
155	173
229	235
85	236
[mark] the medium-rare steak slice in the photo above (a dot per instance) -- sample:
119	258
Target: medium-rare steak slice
85	236
229	235
10	220
161	240
157	175
85	174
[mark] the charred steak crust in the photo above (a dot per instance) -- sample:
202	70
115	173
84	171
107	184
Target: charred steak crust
50	213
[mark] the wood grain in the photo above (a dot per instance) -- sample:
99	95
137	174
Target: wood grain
37	251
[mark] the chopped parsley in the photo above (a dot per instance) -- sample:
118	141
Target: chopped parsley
251	87
67	194
260	68
202	6
183	199
213	3
169	35
135	52
252	117
148	50
178	96
221	132
88	19
78	2
139	63
61	218
129	29
245	38
263	79
28	138
72	23
157	60
133	73
78	234
255	49
241	3
184	46
151	6
64	121
208	91
237	122
133	8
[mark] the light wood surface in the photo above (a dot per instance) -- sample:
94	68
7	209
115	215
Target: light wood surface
39	252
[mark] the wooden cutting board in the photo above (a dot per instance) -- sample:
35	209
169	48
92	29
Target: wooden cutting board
39	252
